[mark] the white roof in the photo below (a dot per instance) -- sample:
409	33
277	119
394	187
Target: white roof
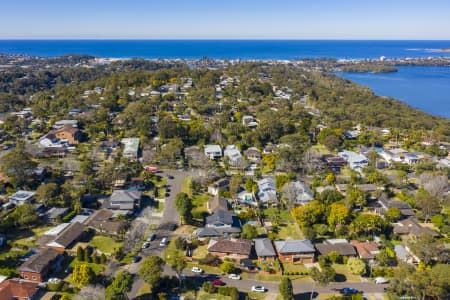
213	148
80	219
57	229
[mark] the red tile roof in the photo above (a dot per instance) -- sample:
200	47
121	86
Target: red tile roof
17	288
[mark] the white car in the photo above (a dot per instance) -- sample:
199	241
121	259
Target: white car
196	270
381	280
234	276
54	280
145	245
258	289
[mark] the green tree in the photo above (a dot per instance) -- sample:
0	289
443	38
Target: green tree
331	179
103	259
330	196
25	215
227	268
175	258
249	232
47	193
82	275
338	215
18	166
86	255
151	269
333	256
356	266
118	289
323	277
80	253
183	204
286	289
235	184
393	214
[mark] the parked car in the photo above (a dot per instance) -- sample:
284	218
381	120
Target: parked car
196	270
172	227
234	276
136	259
258	289
151	237
164	241
170	177
381	280
145	245
218	282
349	291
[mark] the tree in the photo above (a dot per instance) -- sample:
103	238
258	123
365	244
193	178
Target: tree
357	266
428	205
80	253
338	214
227	268
175	258
330	196
235	185
151	269
393	214
102	258
250	185
435	185
368	223
323	277
118	289
309	214
249	232
82	275
333	256
86	255
429	249
47	193
331	179
184	207
18	166
355	196
25	215
286	289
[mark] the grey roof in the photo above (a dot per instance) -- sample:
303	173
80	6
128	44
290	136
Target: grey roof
264	247
294	246
345	249
55	212
40	261
220	216
218	203
124	199
401	252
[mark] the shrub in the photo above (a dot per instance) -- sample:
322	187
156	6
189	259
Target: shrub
209	288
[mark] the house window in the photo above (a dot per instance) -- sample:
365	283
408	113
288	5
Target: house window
25	276
33	277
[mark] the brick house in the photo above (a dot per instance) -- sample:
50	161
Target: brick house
301	251
232	248
18	289
67	237
69	133
38	266
264	249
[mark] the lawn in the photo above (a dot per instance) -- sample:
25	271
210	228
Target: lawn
291	267
186	186
258	296
105	244
160	207
342	270
207	269
285	214
289	231
205	296
145	290
199	202
97	268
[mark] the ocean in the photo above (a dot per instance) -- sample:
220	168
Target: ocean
231	49
426	88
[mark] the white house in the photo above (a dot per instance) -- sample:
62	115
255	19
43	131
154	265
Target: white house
267	191
21	197
233	155
213	151
131	147
355	160
247	198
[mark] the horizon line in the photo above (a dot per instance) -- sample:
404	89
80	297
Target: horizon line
206	39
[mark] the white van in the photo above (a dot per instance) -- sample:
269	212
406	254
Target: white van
164	242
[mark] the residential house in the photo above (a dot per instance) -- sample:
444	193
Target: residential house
253	154
366	250
264	249
233	155
123	200
213	151
269	149
55	214
410	227
220	223
355	160
301	251
217	203
247	198
18	289
335	163
192	153
341	246
131	148
221	184
386	204
267	192
102	221
298	191
230	248
249	121
69	134
40	265
21	197
67	237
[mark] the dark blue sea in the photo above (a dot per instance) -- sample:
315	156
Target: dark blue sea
426	88
243	49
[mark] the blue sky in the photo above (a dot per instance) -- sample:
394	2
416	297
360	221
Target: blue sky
206	19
